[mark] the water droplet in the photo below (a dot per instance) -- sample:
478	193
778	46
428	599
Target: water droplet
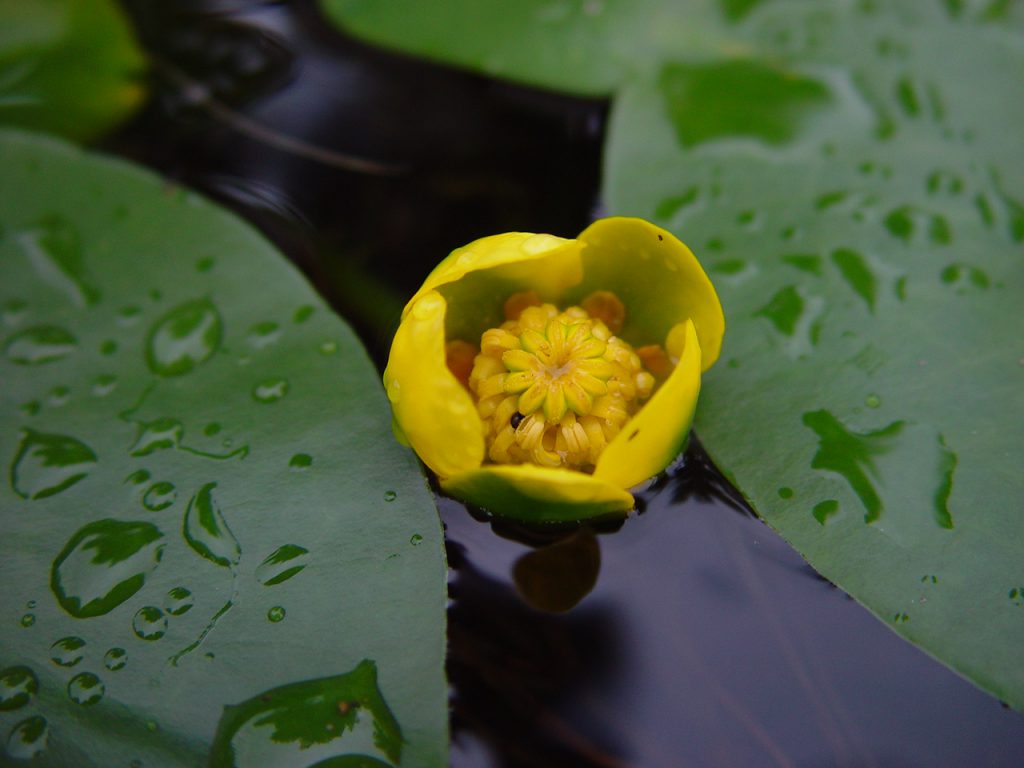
851	455
263	334
303	313
151	726
28	738
67	651
670	206
85	689
328	348
104	564
28	620
103	385
211	429
108	347
149	623
115	659
415	539
336	713
390	495
178	601
40	344
17	687
157	435
275	614
13	311
54	249
30	604
183	338
138	477
785	493
128	316
872	401
286	561
31	408
824	510
270	390
47	464
59	396
964	276
301	461
784	310
159	496
854	270
786	101
206	530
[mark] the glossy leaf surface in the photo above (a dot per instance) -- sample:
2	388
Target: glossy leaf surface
200	515
851	175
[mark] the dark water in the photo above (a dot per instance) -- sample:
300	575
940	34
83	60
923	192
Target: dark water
688	635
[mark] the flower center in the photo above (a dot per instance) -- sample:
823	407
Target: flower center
554	387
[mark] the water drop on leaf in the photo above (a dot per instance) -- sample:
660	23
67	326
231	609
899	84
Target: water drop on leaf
149	623
85	689
104	564
286	561
184	338
207	532
67	651
17	687
47	464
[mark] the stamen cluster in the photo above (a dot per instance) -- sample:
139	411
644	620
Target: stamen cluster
554	387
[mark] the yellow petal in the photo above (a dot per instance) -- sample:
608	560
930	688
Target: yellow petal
658	279
654	436
537	494
434	412
471	276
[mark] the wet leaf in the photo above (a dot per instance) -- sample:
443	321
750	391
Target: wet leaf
163	559
849	174
70	67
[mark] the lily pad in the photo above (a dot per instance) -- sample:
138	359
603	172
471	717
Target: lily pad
70	67
850	175
159	536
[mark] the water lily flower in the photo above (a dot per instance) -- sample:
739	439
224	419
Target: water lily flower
540	377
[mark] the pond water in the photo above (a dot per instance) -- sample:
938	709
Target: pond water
690	634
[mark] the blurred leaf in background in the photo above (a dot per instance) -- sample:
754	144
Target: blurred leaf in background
70	67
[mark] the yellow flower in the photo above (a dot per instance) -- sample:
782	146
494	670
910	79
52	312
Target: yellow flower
541	378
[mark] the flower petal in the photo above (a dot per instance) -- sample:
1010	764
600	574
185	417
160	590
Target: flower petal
478	278
653	437
537	494
658	279
434	411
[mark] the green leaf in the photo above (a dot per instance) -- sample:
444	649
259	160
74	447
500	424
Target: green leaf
204	513
852	176
70	67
